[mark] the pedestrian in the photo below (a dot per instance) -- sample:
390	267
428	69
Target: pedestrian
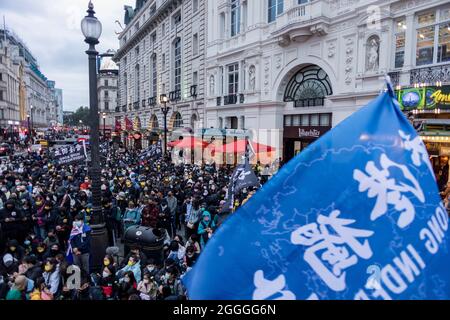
80	244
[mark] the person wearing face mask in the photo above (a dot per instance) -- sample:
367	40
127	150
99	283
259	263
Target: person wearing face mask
63	224
151	268
127	286
131	217
51	239
132	265
10	220
147	288
38	217
150	214
13	248
205	228
80	244
51	275
108	278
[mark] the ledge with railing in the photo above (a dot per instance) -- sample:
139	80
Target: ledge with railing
175	95
152	101
430	75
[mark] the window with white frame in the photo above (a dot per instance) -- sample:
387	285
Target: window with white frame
433	37
235	17
400	43
195	44
275	8
233	78
177	64
154	75
176	19
137	84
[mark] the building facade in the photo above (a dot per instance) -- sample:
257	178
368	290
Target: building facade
10	84
29	92
107	82
59	106
162	52
293	69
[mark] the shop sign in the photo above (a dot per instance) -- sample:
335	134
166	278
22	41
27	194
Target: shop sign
424	98
308	133
312	133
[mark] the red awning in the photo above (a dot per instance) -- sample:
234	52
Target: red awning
239	147
188	143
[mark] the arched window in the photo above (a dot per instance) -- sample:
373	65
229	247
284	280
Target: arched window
178	121
177	64
154	123
308	87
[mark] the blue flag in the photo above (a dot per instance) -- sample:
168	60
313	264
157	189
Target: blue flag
357	215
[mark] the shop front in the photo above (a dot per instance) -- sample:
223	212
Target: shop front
428	109
302	130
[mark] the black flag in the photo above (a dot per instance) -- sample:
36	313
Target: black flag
242	177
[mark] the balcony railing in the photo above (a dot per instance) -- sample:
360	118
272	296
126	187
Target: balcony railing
152	101
430	75
304	16
230	99
117	109
124	108
143	103
193	91
136	105
310	102
219	101
175	95
130	106
241	98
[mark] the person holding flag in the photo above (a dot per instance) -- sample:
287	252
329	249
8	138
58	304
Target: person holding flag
79	248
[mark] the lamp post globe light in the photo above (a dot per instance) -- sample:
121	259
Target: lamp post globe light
165	109
92	29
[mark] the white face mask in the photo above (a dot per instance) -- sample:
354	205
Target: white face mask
105	274
150	269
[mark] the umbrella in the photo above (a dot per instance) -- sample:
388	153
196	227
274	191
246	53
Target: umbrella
239	147
188	143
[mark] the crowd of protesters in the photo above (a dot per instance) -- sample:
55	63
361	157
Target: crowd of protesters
45	214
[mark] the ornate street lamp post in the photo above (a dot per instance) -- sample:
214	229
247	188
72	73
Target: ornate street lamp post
104	126
92	29
165	109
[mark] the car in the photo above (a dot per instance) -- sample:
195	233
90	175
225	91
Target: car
5	150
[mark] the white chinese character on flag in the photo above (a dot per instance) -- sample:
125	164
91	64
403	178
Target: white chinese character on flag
419	152
274	289
333	247
379	183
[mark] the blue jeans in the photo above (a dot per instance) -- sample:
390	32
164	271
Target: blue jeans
40	232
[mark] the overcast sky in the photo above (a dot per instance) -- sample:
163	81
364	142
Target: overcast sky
51	30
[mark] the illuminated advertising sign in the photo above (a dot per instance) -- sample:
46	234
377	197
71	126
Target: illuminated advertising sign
424	98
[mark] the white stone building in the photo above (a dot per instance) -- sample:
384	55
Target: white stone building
107	82
299	67
10	81
162	52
